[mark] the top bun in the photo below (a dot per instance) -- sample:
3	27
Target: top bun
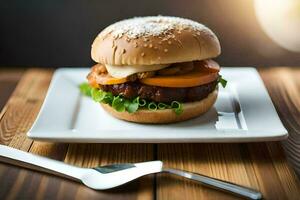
154	40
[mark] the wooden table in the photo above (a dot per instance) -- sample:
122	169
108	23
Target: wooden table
259	165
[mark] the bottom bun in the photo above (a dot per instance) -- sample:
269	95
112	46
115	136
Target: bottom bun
190	110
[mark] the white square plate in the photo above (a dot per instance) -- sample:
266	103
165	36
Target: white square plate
243	113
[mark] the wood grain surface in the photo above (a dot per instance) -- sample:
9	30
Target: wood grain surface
259	165
283	84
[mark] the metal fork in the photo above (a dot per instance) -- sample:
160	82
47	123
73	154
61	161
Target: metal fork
110	176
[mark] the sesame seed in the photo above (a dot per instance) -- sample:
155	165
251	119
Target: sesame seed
146	26
142	54
165	50
169	42
158	58
159	42
155	48
150	45
145	45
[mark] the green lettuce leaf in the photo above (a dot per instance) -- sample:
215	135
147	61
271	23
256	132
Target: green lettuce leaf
122	104
222	81
118	104
85	89
132	106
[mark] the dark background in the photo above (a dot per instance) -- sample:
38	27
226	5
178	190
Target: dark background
59	33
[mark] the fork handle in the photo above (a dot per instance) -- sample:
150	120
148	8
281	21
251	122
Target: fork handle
24	159
218	184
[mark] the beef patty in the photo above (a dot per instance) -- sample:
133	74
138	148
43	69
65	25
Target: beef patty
131	90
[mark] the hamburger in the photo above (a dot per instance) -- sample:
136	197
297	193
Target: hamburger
155	69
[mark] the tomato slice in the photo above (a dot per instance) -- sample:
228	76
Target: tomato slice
203	72
180	81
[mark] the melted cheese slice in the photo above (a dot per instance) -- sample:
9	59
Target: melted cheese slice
125	71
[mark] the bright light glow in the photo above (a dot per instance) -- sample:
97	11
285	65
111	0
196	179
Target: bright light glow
280	19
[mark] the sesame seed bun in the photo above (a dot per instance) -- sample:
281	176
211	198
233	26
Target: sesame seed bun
190	110
154	40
